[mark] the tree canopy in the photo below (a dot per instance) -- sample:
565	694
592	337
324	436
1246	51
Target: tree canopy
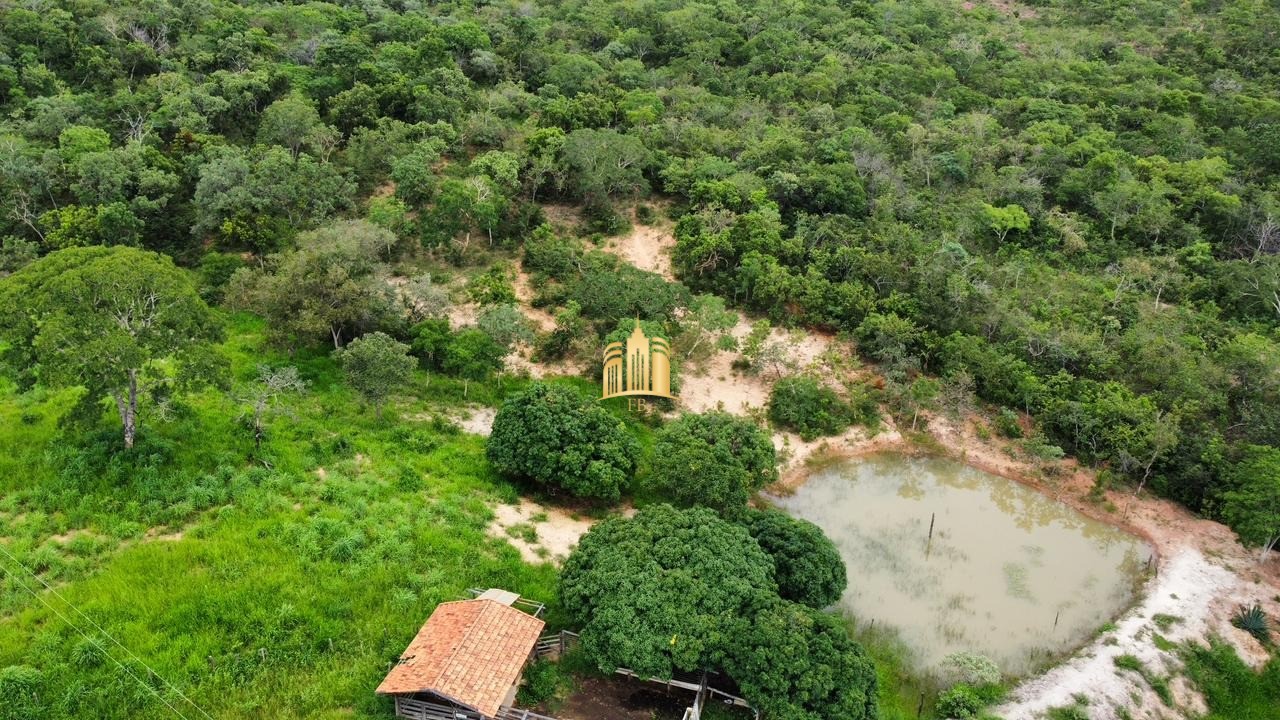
683	590
555	437
376	365
107	319
807	566
712	459
333	287
658	593
1252	505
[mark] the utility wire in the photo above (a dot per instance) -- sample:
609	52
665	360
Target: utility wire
108	635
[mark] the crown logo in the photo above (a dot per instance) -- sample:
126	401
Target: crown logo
640	368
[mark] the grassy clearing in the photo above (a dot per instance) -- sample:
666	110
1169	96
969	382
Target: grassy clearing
269	584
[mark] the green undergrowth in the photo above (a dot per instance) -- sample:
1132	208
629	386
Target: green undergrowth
904	695
1233	690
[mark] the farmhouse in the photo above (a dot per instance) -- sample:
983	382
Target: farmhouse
467	660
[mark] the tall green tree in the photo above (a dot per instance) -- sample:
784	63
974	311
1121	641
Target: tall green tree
119	322
376	365
659	593
796	663
333	286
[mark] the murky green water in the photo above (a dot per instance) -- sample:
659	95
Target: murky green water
1010	573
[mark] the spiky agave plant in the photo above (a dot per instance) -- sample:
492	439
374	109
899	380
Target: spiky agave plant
1253	621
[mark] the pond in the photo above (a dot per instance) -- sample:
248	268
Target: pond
1009	573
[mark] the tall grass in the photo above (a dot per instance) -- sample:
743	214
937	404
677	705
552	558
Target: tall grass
278	583
904	693
1232	689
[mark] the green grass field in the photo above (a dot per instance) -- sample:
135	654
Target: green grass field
277	584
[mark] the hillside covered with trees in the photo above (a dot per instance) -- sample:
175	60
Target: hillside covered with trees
226	227
1070	207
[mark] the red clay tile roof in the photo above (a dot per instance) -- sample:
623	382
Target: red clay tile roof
470	652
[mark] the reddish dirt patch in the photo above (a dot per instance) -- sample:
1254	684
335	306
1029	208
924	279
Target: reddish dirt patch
621	698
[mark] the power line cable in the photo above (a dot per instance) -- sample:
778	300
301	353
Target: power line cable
108	635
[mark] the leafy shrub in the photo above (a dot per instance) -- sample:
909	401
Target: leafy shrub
1007	424
550	255
492	287
1042	449
809	408
216	270
961	702
609	292
543	681
1253	621
807	566
470	353
556	437
714	459
971	669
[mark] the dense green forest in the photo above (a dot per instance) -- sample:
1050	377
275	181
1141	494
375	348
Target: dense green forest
1070	210
1070	207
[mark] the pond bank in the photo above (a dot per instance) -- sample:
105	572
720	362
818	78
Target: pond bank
1203	574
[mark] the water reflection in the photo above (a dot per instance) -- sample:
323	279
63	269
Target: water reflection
1008	572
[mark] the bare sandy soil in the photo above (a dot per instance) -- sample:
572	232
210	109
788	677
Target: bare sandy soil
555	531
477	421
648	247
541	319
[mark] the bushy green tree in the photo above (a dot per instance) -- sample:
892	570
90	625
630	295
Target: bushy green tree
712	459
331	287
604	164
109	320
1252	504
807	566
797	663
376	365
960	702
472	355
809	408
555	437
660	592
505	324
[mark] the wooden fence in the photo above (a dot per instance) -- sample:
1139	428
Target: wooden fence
515	713
555	645
421	710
